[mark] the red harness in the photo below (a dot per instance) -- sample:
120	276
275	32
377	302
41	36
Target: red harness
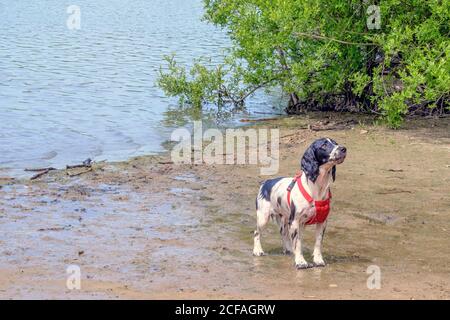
322	206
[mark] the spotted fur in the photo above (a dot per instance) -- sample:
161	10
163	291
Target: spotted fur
319	166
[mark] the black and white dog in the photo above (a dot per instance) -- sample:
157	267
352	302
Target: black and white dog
296	202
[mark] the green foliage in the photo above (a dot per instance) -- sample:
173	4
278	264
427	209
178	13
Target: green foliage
218	85
315	49
198	86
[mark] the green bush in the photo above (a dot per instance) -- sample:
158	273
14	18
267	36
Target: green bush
326	53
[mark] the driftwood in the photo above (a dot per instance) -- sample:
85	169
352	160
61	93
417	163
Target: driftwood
295	133
165	162
326	125
392	191
39	169
289	135
86	164
43	171
269	113
258	120
40	174
79	173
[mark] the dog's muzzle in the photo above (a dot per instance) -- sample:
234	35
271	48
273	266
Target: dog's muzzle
340	154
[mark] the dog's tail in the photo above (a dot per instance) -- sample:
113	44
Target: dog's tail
259	196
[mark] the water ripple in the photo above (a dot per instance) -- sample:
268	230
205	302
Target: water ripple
66	95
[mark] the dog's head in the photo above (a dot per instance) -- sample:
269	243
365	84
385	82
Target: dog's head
323	152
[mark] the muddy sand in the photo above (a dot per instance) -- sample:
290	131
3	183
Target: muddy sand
148	229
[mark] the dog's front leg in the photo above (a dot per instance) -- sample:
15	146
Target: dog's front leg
317	253
296	232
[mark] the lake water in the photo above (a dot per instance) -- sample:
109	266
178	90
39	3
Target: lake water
66	95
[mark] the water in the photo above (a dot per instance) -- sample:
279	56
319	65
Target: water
66	95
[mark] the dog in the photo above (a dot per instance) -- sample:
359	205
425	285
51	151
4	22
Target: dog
300	201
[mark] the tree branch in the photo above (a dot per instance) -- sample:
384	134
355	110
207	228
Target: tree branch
319	37
251	91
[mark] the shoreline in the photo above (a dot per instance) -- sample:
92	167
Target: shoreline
162	155
307	118
144	229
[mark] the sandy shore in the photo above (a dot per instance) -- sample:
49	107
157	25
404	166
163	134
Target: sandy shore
147	229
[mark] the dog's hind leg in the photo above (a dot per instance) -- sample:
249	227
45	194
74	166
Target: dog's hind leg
262	217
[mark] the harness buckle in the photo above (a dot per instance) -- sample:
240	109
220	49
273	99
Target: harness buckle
291	185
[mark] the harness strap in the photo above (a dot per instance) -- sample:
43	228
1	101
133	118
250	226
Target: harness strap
291	186
305	194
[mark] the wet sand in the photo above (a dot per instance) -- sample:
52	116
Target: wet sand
142	229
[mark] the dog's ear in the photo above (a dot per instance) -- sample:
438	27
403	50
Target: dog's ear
333	173
310	165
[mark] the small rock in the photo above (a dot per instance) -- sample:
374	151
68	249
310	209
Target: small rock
395	170
363	131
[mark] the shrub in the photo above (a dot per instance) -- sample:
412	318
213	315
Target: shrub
326	55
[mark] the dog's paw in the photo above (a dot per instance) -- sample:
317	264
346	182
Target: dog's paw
303	265
318	262
258	253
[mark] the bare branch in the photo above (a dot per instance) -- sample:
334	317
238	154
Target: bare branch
319	37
